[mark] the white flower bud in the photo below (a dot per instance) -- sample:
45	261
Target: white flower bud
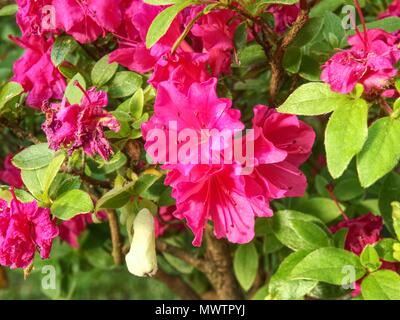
141	259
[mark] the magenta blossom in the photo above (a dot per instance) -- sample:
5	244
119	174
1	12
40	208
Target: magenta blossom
183	69
392	11
213	34
282	143
86	20
132	52
36	72
81	125
199	109
35	17
284	15
370	62
10	174
218	192
24	228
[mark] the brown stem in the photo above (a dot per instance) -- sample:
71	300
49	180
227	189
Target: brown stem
220	274
3	278
115	237
277	70
177	285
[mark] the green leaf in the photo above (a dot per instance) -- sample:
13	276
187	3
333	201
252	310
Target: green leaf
370	259
322	208
103	71
62	183
282	287
381	151
9	91
309	32
115	198
72	203
325	6
124	84
329	265
292	59
136	104
348	189
389	192
34	157
162	22
312	99
144	182
62	47
245	265
8	10
34	181
73	94
299	231
339	238
396	218
390	24
310	69
345	135
381	285
240	38
51	173
385	249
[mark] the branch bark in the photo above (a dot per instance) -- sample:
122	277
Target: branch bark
115	237
277	70
220	271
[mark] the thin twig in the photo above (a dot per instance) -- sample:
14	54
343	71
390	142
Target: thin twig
115	237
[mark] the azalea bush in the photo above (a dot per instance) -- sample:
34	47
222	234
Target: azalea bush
226	149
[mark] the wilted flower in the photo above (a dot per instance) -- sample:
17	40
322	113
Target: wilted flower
81	125
284	15
142	258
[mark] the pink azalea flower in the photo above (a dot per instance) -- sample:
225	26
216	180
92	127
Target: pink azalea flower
198	109
392	11
183	69
35	17
214	35
284	16
24	228
373	68
132	52
36	72
71	230
217	192
86	20
10	174
81	126
282	143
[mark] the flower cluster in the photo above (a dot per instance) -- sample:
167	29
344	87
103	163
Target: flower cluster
392	11
11	175
370	61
